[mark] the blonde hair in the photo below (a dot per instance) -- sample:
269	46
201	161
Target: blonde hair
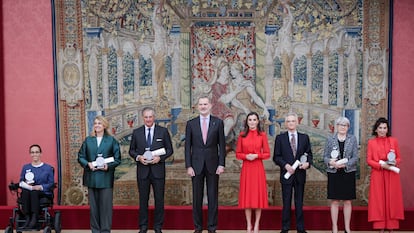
105	123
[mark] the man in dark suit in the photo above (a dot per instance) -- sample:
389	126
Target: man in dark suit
205	160
289	147
150	166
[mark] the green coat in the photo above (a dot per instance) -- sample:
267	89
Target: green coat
88	152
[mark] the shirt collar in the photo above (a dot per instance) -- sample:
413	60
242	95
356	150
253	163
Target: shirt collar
152	127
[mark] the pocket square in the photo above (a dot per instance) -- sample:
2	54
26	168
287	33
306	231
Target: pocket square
159	140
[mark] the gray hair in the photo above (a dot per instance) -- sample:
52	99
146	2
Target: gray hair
291	114
148	109
342	121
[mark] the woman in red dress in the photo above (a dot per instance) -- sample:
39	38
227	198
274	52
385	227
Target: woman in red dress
385	203
252	148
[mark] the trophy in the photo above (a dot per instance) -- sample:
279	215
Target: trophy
100	161
296	164
334	155
149	155
391	162
391	158
304	158
29	177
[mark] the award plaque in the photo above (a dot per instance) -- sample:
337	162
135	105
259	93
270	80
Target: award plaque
304	158
334	155
391	158
29	176
100	161
148	155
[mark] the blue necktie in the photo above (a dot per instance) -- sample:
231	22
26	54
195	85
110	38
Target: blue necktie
149	138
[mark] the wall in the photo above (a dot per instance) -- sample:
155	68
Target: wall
29	112
402	91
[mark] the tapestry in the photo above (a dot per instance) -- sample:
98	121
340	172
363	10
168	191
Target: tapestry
320	59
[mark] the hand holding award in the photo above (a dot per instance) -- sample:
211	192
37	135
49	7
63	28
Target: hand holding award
294	166
390	167
334	156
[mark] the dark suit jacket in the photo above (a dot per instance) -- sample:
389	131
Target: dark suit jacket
160	139
213	153
89	151
283	154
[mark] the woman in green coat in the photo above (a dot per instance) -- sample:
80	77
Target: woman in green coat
99	155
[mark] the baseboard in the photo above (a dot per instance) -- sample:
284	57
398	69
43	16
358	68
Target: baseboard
230	218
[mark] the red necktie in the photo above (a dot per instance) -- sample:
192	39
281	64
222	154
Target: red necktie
204	129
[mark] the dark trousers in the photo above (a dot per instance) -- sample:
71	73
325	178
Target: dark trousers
158	186
287	190
212	198
30	201
100	201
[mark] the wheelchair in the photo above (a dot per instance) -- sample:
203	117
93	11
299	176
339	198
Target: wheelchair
48	219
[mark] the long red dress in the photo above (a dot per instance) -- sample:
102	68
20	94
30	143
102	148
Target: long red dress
385	202
253	189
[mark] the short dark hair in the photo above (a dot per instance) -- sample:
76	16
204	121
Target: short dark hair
381	120
35	145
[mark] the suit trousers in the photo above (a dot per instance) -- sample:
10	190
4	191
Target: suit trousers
212	198
158	185
100	201
287	190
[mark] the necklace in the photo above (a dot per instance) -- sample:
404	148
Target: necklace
341	138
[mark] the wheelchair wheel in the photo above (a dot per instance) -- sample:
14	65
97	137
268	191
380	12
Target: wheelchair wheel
47	229
19	221
8	229
57	223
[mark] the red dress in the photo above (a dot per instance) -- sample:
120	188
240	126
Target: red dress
253	188
385	203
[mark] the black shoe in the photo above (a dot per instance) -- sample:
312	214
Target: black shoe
26	223
157	231
284	231
302	231
198	231
142	231
211	231
33	222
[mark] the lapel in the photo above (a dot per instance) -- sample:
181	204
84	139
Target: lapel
211	124
155	134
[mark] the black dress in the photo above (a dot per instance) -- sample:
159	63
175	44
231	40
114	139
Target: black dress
341	185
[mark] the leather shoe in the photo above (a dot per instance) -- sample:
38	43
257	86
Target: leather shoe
284	231
142	231
198	231
211	231
302	231
157	231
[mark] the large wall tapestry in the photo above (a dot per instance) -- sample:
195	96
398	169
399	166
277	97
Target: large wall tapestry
320	59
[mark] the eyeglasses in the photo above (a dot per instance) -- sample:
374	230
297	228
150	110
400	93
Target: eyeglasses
344	125
34	152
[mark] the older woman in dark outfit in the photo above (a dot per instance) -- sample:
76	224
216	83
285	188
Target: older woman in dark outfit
341	158
36	181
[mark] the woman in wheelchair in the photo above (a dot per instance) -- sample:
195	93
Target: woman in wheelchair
36	181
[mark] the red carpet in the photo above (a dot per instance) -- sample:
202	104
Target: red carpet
230	218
